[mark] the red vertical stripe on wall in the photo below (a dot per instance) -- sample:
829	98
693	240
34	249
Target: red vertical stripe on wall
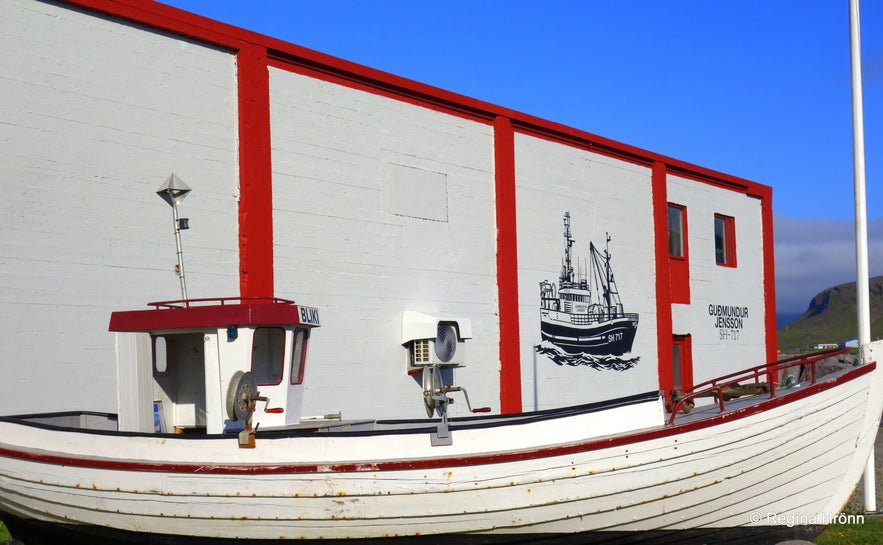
769	275
507	266
255	174
663	274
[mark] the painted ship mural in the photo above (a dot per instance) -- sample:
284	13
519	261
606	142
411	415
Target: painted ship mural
583	317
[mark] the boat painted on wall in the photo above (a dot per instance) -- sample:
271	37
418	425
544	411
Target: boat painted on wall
583	314
234	460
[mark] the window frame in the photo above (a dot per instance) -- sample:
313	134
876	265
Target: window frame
682	216
729	241
281	357
299	343
678	264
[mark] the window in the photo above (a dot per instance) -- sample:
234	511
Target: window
267	355
676	231
299	355
724	240
160	356
678	254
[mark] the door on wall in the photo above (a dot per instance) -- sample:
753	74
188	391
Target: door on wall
179	379
681	377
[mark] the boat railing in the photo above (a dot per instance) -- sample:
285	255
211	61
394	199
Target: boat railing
717	388
594	317
188	303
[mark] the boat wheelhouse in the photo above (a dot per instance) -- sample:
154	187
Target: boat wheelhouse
182	365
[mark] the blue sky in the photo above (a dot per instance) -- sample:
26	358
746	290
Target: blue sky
754	88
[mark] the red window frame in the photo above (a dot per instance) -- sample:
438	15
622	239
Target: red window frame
681	370
724	240
678	257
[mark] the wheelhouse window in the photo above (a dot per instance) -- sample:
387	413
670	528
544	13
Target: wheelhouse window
268	355
677	246
160	356
299	355
724	240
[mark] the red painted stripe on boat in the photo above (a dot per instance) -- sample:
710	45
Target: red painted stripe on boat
440	462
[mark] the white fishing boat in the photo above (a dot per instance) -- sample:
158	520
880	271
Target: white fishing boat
209	445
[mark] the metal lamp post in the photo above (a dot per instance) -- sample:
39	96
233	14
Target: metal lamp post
173	191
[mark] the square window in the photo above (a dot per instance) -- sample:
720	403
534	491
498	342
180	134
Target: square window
724	240
268	355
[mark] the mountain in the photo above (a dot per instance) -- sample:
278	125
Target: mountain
831	318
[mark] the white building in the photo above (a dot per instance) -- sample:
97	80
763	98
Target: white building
357	192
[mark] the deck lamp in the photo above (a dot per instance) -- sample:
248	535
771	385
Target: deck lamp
173	191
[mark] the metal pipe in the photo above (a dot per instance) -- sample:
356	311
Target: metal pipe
179	268
861	225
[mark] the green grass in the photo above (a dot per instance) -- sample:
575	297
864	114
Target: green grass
870	532
4	534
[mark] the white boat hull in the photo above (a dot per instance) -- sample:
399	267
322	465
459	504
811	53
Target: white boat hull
781	465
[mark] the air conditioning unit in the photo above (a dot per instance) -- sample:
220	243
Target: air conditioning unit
435	340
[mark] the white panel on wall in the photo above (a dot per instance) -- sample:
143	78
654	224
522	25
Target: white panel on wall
416	192
94	115
604	196
381	206
721	346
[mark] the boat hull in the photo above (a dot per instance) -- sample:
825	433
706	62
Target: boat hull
39	533
610	337
777	467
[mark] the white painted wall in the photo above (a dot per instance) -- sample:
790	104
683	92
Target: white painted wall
94	115
718	351
380	207
602	195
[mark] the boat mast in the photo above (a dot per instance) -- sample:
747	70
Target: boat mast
173	191
567	267
602	275
861	225
608	275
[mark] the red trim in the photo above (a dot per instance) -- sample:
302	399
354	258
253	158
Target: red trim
197	317
507	266
769	273
686	370
664	326
441	462
299	59
255	174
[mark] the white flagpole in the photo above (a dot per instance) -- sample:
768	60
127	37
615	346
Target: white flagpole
861	224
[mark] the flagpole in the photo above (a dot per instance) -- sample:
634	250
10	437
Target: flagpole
861	224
